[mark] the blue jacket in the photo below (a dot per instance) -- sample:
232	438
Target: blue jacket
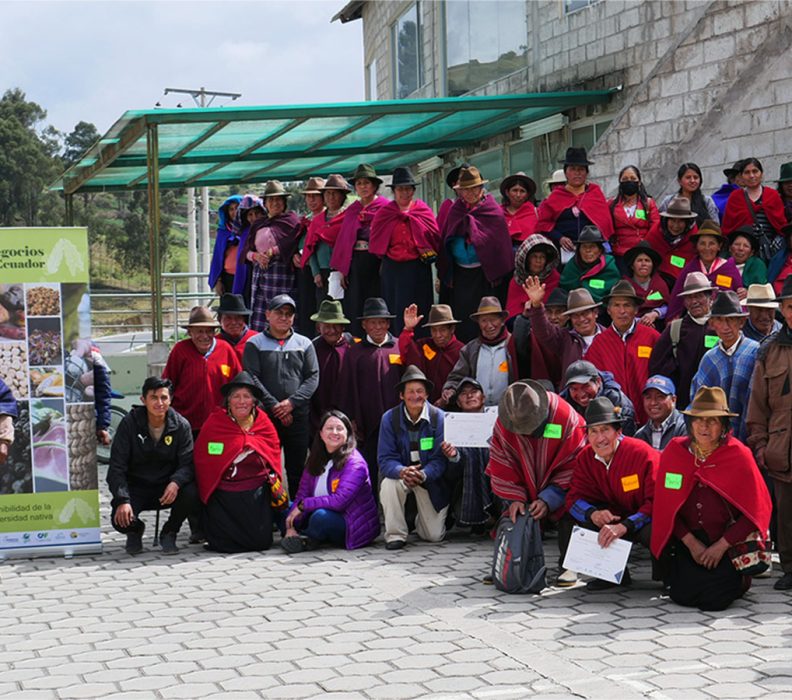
225	235
776	264
393	452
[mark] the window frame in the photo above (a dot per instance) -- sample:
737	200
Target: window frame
394	37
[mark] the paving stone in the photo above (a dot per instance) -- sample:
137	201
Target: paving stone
678	681
189	690
459	684
88	690
395	691
731	690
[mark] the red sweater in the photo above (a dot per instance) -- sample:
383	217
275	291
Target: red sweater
629	362
197	379
629	232
436	363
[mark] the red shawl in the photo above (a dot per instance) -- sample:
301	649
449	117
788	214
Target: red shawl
522	223
320	229
516	296
521	466
591	202
355	217
221	440
730	471
485	227
737	213
419	217
654	296
674	257
442	212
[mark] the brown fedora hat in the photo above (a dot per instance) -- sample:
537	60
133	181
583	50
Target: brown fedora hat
623	289
314	185
468	178
489	305
274	188
523	407
440	315
580	300
336	182
201	317
708	228
709	401
678	208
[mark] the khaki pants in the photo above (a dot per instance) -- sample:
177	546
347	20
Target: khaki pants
430	525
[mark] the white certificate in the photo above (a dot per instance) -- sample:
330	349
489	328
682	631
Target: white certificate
334	288
585	556
469	429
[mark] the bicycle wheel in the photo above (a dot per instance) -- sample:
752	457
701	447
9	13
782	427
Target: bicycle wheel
116	416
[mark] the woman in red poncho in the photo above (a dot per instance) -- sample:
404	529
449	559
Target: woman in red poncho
758	206
642	262
634	214
404	234
518	192
709	498
238	471
536	257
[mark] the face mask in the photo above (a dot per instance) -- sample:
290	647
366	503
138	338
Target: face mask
629	187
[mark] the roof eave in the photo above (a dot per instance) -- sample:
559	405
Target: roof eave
351	11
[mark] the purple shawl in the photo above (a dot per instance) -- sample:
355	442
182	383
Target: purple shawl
354	215
285	230
485	227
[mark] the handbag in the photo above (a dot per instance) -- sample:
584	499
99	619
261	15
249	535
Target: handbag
750	557
280	499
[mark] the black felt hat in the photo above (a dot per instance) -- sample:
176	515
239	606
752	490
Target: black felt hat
576	156
727	305
601	411
402	176
375	307
645	248
232	304
413	374
246	380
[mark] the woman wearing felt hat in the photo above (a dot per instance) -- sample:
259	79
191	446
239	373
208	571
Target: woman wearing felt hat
518	192
641	262
744	249
591	267
785	189
672	239
405	236
238	470
569	209
711	509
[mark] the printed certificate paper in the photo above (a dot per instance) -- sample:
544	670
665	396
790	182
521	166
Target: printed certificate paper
586	557
469	429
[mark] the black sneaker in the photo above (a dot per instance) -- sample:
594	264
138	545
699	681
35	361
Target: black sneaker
168	543
597	584
784	583
197	538
294	544
134	543
394	544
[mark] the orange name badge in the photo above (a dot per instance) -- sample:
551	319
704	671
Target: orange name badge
429	354
723	281
226	370
394	359
644	351
334	485
503	366
630	483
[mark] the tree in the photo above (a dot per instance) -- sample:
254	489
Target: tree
83	136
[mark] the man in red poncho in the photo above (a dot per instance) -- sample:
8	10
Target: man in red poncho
532	454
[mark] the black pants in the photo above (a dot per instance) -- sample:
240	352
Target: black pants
143	498
294	440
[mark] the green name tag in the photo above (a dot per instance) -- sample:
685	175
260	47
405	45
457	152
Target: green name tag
676	261
673	481
552	430
655	296
215	448
597	284
640	214
710	341
427	443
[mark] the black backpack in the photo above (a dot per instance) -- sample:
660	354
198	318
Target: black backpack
518	563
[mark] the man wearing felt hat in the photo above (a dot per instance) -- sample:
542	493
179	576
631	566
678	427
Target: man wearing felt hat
411	460
625	347
532	453
762	306
769	434
233	317
331	346
491	358
369	374
436	355
684	341
665	421
198	366
730	363
612	485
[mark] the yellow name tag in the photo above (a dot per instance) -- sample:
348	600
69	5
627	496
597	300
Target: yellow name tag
644	351
503	366
429	354
226	370
723	281
630	483
394	359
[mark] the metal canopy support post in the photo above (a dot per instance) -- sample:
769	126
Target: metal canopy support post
152	165
69	202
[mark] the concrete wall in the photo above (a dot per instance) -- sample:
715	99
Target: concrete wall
707	80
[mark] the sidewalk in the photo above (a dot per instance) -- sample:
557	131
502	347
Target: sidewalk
416	623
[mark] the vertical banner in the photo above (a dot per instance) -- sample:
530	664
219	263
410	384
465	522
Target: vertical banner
49	497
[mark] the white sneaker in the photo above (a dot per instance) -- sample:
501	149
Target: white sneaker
566	579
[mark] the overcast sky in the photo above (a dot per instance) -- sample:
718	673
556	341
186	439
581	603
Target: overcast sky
92	61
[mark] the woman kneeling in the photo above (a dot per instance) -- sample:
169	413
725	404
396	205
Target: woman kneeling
335	502
238	470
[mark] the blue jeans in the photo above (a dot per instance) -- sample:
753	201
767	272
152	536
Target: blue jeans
326	526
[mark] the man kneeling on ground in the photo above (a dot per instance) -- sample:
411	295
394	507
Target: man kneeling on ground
151	468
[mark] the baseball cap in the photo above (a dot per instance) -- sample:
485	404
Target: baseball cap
663	384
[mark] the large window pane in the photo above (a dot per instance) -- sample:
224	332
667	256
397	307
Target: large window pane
407	47
485	40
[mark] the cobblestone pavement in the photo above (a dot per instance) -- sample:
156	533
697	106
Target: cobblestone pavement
367	624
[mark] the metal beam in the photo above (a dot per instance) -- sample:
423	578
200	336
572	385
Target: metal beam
152	150
69	209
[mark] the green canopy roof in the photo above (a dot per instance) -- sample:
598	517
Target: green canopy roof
203	147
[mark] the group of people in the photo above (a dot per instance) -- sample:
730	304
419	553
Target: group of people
582	322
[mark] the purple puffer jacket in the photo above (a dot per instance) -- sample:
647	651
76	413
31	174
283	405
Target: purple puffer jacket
352	497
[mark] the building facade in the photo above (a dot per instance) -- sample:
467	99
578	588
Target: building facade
707	81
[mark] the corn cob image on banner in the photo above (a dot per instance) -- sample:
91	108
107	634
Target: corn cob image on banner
49	498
